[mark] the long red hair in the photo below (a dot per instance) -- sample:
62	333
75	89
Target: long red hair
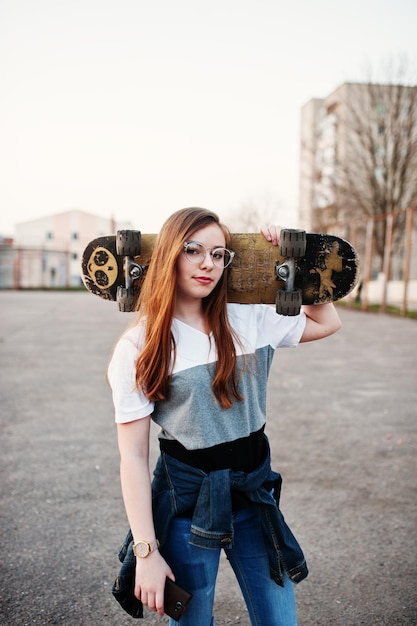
156	305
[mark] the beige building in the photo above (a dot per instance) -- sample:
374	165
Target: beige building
324	138
47	251
310	115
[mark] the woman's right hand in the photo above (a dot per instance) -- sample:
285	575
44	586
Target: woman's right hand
152	570
151	573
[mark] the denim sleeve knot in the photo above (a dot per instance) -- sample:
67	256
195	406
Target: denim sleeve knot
211	525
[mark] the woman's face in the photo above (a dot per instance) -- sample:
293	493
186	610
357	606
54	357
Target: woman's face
198	275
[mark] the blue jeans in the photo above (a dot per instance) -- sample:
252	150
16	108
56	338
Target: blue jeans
196	570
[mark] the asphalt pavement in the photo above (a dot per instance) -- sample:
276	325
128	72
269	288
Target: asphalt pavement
343	432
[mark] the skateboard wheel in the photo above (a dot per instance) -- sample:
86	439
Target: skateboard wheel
126	299
289	302
292	242
128	242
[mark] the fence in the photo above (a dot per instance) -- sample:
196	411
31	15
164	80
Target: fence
35	268
388	278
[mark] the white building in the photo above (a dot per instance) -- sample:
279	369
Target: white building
48	250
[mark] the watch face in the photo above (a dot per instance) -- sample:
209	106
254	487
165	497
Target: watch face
142	549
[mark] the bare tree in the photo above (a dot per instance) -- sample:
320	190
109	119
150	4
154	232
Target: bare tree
366	156
379	174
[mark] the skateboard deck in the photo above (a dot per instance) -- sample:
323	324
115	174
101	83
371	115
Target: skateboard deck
323	268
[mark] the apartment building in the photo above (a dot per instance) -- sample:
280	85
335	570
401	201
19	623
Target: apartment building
358	153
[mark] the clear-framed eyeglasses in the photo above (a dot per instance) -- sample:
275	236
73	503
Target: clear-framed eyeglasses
196	252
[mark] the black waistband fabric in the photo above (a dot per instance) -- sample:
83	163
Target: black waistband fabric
243	455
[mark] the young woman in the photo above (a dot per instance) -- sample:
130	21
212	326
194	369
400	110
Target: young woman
198	367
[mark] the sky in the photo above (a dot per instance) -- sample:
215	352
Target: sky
132	109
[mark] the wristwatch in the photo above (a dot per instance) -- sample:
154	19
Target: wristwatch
143	548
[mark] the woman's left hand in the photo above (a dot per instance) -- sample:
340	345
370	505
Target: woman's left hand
271	233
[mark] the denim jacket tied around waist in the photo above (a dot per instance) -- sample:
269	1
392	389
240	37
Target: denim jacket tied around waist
178	488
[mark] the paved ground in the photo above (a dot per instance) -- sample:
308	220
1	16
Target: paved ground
342	426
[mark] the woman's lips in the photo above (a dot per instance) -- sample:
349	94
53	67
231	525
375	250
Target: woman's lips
203	280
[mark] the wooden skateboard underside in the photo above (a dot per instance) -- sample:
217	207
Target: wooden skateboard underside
327	272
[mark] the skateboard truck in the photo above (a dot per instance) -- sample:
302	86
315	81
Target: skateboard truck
286	272
292	246
128	245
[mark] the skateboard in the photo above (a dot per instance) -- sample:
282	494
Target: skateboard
305	268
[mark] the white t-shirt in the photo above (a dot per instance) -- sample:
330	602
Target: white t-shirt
192	415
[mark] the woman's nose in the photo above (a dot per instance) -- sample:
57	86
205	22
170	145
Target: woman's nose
208	260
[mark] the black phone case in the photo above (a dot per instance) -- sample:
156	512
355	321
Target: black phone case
176	600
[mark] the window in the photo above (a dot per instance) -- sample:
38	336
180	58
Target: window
381	109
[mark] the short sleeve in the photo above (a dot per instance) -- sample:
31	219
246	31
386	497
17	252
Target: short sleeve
129	403
281	331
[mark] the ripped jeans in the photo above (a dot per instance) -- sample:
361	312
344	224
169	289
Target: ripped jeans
196	568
